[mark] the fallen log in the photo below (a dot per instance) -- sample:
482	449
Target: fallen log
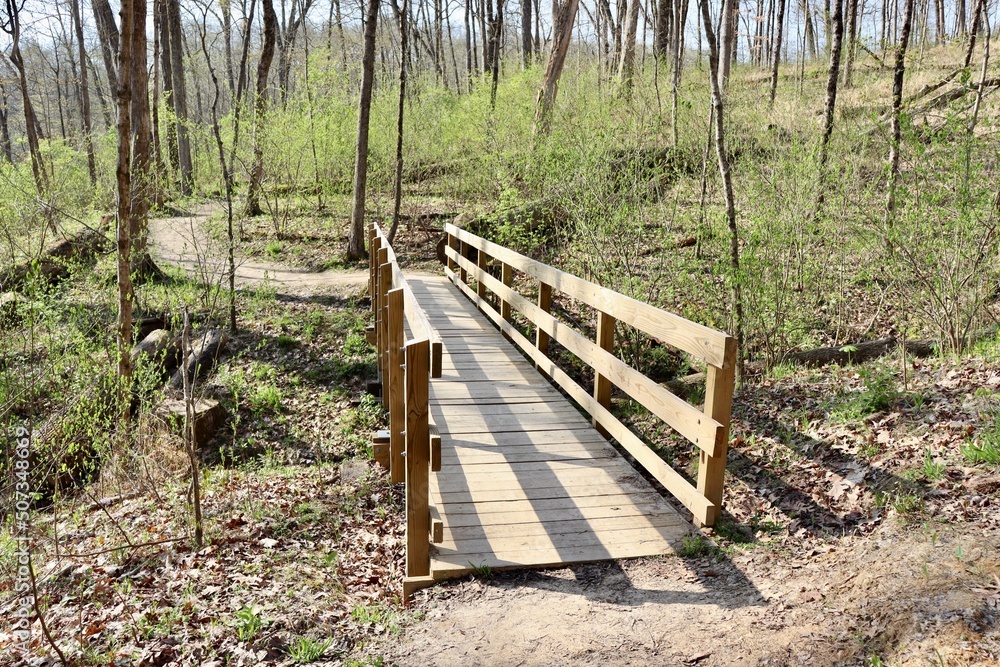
684	386
52	264
159	346
202	358
861	352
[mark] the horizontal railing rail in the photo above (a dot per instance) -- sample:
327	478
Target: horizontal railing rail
707	428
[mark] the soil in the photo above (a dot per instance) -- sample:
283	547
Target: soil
183	241
889	588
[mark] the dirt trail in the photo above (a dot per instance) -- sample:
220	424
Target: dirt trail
182	242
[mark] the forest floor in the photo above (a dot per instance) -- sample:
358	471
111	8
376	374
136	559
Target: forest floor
853	536
860	527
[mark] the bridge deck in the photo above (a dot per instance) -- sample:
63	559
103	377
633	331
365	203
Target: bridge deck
525	479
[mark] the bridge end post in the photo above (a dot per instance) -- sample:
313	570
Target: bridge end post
418	560
602	385
719	389
395	379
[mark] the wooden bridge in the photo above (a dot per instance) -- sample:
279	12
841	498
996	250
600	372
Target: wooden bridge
502	469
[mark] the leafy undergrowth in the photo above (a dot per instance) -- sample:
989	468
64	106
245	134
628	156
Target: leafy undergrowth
303	545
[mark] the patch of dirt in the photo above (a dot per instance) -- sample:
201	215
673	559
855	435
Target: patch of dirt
902	595
183	241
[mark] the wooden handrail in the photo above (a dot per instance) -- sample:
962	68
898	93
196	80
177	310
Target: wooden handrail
708	429
405	368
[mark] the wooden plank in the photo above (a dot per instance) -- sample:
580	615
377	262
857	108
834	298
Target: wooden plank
397	387
417	356
556	408
683	417
384	285
718	403
538	489
516	545
500	511
704	343
553	528
681	489
449	564
466	524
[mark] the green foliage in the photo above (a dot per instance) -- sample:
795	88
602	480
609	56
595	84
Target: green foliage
695	545
986	447
305	650
266	398
878	393
248	623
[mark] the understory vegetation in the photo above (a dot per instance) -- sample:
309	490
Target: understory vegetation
295	551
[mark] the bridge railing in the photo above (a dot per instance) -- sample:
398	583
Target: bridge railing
409	353
707	429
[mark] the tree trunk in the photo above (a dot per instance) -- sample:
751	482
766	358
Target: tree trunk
727	40
626	65
356	236
227	36
777	50
397	193
718	109
260	107
899	70
107	32
663	34
833	78
13	28
5	145
141	177
974	33
960	23
526	25
84	93
176	41
562	34
124	178
852	42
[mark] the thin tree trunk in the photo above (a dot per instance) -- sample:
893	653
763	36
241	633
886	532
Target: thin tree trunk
13	28
176	41
356	236
107	32
84	93
5	145
562	34
397	193
124	178
227	36
852	42
727	40
727	180
260	107
166	66
626	65
974	33
833	78
141	182
777	51
899	70
526	24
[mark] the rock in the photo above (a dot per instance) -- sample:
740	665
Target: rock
209	415
11	309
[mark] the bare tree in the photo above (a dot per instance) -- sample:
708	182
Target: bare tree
404	42
356	232
107	33
179	92
780	27
123	172
725	171
562	34
898	72
832	80
260	107
84	92
10	23
5	145
526	53
626	64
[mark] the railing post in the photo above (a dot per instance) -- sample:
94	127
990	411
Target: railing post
506	277
417	354
373	248
395	392
545	303
602	385
719	387
384	278
455	245
481	261
463	250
